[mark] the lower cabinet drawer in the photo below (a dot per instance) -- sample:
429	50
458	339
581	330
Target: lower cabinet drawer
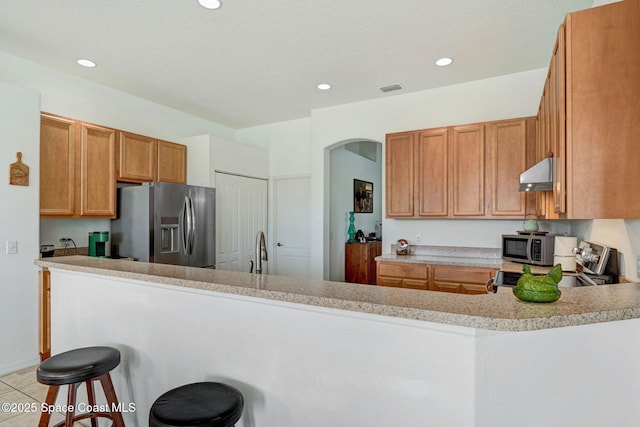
462	274
413	271
395	282
472	289
445	287
416	284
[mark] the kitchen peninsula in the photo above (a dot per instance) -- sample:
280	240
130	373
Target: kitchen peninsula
319	353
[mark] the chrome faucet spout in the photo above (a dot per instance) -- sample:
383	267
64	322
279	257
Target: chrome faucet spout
261	251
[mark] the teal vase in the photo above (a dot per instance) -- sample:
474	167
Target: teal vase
351	231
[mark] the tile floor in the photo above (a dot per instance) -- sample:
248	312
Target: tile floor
22	388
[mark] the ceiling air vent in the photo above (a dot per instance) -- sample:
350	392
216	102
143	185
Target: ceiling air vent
391	88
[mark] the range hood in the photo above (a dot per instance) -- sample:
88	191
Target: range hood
538	177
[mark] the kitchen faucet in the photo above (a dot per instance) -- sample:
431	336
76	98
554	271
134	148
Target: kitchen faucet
261	253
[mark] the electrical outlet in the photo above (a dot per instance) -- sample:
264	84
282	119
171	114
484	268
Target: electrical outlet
12	247
65	239
418	238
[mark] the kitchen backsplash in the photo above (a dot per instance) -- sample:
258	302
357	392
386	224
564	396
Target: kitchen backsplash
52	229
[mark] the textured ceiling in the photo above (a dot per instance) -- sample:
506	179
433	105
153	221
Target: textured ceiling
254	62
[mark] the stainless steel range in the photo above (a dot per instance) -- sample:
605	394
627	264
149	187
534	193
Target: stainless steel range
598	266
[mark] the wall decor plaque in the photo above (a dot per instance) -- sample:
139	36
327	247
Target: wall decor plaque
18	172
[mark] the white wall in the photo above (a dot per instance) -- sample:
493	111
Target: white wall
510	96
198	159
345	166
52	229
304	365
19	131
240	159
77	98
603	2
289	145
296	365
70	96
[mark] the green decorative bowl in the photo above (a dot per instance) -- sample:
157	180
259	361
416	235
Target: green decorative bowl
536	296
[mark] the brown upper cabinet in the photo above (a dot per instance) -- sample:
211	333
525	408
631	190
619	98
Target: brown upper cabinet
432	196
468	171
80	164
57	166
172	162
400	161
97	171
136	158
589	115
507	143
467	167
77	169
145	159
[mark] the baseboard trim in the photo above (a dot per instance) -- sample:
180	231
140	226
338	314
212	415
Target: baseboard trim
8	368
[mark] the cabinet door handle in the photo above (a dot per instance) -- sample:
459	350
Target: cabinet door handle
279	244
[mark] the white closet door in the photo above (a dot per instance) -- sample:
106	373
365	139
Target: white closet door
241	211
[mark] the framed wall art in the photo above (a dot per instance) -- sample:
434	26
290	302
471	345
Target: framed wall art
362	196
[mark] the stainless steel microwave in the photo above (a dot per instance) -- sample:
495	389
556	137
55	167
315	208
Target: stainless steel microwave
528	249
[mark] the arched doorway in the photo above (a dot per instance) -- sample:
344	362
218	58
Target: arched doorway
351	159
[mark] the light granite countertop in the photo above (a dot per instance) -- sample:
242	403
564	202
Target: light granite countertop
479	262
447	255
500	311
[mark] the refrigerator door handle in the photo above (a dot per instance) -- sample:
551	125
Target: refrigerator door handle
185	225
192	229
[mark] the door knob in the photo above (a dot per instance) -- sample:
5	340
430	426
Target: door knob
279	244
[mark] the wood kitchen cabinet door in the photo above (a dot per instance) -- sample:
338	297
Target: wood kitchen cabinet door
172	162
57	166
137	156
507	154
97	171
44	319
432	180
400	169
557	80
467	160
466	280
603	111
403	275
360	264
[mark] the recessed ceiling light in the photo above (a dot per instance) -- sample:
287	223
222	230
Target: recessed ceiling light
86	63
210	4
324	86
442	62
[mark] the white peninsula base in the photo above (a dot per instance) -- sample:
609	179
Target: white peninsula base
303	365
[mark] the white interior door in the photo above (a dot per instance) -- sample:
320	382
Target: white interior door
241	211
293	232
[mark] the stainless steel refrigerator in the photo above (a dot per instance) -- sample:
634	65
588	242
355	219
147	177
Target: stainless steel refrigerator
166	223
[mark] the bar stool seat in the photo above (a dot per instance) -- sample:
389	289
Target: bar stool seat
204	404
74	367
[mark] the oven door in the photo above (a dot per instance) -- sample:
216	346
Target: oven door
502	278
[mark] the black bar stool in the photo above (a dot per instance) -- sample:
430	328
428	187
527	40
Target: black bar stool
205	404
74	367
